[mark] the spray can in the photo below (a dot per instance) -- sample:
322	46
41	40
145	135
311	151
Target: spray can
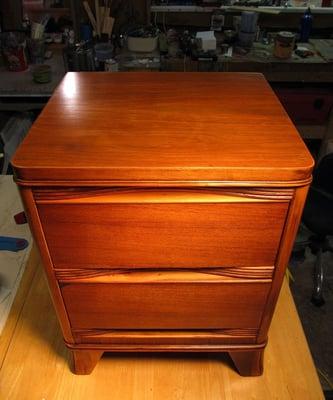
306	25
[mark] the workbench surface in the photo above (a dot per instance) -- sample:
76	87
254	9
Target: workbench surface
34	361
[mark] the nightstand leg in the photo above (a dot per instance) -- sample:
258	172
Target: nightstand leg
248	363
84	361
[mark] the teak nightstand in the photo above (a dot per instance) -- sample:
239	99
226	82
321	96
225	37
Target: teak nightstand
165	206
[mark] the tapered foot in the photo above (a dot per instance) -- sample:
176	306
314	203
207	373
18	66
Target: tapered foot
248	363
84	361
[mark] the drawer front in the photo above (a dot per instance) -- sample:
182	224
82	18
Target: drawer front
188	234
165	305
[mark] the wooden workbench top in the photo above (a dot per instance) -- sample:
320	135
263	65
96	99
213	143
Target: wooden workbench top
159	127
33	361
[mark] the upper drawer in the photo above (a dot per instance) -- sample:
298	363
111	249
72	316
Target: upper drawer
162	229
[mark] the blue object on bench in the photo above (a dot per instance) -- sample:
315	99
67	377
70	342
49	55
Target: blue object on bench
12	243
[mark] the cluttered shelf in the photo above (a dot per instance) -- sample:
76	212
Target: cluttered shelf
301	54
316	67
313	63
308	107
18	90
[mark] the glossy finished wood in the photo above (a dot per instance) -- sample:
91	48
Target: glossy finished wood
36	228
121	337
160	232
248	363
84	361
35	364
286	245
172	305
164	235
163	127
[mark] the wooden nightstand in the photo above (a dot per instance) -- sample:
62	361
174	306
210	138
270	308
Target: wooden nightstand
165	206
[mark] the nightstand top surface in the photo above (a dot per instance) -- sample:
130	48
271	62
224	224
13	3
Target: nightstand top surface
163	127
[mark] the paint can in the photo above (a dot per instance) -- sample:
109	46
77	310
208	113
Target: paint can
111	65
284	45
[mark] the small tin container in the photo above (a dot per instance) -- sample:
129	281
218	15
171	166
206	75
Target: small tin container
111	65
284	45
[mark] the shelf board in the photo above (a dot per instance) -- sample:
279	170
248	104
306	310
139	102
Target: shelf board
199	9
47	10
176	8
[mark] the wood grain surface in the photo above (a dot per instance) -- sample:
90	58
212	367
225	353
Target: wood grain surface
286	245
190	235
36	364
184	305
163	126
165	336
128	275
142	195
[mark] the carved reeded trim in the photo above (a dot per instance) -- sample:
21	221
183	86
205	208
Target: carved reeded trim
242	272
232	273
262	193
73	274
162	183
71	193
166	347
121	194
115	333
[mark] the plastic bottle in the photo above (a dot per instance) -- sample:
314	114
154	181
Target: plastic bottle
306	25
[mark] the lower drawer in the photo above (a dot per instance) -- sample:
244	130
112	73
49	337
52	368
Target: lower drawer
164	305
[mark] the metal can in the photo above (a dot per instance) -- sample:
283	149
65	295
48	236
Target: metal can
111	65
284	45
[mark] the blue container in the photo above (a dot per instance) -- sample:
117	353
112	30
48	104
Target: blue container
86	32
306	26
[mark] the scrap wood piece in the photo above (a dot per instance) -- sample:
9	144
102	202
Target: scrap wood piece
90	15
98	19
254	9
110	26
105	19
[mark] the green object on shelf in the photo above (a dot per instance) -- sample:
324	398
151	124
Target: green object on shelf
42	73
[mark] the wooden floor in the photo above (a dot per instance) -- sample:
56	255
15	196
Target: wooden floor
34	362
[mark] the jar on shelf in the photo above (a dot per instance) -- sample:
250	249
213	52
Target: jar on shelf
284	45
